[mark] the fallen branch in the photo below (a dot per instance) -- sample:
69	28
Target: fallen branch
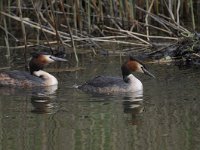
145	36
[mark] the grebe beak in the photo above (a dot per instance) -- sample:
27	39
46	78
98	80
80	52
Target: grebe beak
147	72
57	58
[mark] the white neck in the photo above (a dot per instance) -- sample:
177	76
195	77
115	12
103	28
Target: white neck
48	78
134	83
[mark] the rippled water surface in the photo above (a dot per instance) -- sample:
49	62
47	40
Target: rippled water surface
167	116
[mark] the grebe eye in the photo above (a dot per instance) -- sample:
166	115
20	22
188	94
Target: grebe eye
142	69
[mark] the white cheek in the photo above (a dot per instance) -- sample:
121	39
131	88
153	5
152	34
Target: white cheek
140	69
49	60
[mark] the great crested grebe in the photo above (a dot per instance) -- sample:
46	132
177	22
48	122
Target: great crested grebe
36	77
129	83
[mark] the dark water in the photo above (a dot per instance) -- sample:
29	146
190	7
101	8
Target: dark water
167	117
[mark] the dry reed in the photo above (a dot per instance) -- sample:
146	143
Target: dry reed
91	22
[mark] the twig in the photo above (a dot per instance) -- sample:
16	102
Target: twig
6	38
169	8
33	25
37	12
89	39
143	35
192	13
177	13
114	22
6	31
23	30
128	32
165	23
54	21
117	41
160	29
146	19
155	18
163	48
5	68
195	54
70	31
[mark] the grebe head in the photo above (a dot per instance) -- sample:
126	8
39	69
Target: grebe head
39	60
133	65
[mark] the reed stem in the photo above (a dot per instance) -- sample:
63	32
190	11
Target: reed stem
6	38
23	31
70	32
89	15
177	13
146	18
74	23
192	15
